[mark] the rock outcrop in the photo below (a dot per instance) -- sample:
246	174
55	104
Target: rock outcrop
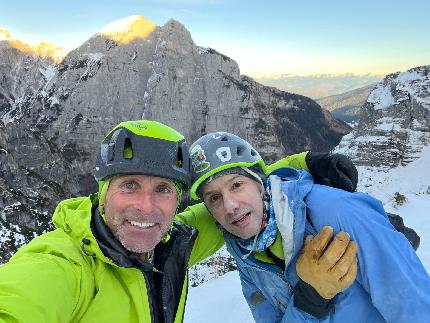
394	123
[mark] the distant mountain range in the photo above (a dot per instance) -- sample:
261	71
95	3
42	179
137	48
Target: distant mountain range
320	85
346	106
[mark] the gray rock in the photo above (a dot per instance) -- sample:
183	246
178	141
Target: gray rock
394	123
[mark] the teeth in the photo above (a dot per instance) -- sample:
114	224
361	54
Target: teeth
241	219
141	225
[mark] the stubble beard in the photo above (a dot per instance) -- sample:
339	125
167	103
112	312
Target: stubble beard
121	236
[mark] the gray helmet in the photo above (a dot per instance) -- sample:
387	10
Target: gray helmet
217	151
144	147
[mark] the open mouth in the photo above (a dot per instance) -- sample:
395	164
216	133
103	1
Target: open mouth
141	224
241	219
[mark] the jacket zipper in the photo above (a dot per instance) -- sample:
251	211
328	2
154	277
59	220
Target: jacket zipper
187	258
187	254
149	295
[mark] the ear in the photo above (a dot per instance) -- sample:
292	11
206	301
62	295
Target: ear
184	202
261	189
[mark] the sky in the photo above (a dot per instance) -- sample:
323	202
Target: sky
266	38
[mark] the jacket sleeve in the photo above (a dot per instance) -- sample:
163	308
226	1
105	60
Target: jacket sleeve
38	287
209	239
297	161
264	310
389	269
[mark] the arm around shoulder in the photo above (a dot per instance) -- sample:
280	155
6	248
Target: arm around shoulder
209	239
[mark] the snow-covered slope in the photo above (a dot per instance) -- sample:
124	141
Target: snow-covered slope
218	301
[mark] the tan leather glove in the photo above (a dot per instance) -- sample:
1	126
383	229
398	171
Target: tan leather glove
331	269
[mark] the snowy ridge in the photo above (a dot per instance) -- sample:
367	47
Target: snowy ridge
412	84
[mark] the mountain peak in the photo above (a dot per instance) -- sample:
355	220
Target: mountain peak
128	29
41	49
4	34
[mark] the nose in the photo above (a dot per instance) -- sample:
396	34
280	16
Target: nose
144	202
230	204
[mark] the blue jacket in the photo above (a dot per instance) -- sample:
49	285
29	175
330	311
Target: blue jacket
391	285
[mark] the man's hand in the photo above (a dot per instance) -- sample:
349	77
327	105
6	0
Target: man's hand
329	270
335	170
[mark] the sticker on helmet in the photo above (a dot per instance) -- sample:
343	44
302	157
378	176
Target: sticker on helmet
138	125
198	159
224	154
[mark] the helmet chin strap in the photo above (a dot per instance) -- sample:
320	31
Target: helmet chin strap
264	219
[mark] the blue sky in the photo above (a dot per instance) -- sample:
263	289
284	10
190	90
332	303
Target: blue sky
265	37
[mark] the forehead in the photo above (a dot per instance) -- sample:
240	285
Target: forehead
141	178
223	181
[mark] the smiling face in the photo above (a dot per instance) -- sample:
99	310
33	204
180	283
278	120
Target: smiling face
139	210
236	203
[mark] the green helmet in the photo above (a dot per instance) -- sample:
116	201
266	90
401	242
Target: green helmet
144	147
217	151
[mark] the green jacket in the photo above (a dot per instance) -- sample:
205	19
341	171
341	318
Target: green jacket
63	275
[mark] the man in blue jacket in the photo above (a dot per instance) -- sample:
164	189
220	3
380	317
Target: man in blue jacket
266	220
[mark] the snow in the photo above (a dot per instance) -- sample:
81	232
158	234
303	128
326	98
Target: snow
218	300
5	234
48	72
408	76
202	50
389	124
412	181
381	97
95	57
413	83
120	25
221	300
53	100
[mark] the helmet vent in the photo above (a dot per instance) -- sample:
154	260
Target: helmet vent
253	152
224	138
240	150
179	157
128	149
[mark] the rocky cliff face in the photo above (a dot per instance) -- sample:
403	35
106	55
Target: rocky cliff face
53	116
394	123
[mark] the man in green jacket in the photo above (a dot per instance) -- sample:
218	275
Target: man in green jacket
118	256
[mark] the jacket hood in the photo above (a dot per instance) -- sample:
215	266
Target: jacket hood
73	216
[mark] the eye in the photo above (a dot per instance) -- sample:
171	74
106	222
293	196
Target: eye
164	188
236	185
213	199
129	185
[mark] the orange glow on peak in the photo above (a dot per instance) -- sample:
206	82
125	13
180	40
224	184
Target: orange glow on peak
126	30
